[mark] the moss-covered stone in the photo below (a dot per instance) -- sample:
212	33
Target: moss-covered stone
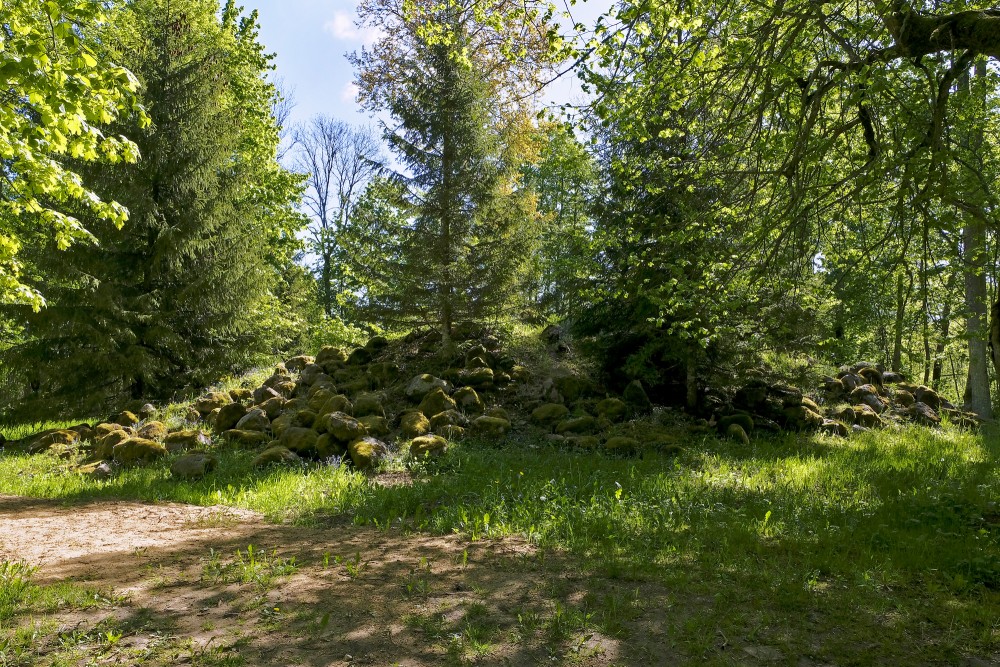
369	404
580	425
467	399
245	439
421	385
621	444
254	420
834	427
296	364
635	396
582	441
209	402
182	441
276	455
343	427
194	465
477	377
490	426
549	414
330	354
302	441
282	422
137	450
126	418
738	433
447	418
106	444
152	431
359	357
905	398
612	409
477	362
102	430
318	398
744	421
338	403
812	405
414	424
436	401
376	344
327	446
273	407
844	413
375	425
47	440
366	452
383	374
229	416
865	416
428	445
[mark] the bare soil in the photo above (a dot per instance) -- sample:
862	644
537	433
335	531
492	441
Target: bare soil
360	596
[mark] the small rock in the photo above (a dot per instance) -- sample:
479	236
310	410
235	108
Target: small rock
194	465
275	455
366	452
428	445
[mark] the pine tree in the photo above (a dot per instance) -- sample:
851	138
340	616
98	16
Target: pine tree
181	294
461	136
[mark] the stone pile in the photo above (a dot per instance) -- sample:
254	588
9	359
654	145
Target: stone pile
860	397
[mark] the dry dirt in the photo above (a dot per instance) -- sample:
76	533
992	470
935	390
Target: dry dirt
360	596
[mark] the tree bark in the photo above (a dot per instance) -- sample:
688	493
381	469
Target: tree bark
995	335
978	388
902	297
915	35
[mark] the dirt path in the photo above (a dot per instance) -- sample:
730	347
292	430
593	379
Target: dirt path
355	595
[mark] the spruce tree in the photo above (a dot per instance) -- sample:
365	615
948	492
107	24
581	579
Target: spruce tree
179	295
459	133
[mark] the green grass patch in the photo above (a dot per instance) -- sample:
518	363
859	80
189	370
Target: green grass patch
811	544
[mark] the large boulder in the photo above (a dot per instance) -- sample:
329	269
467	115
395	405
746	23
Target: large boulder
383	374
928	396
181	441
742	419
276	455
865	416
436	401
212	401
102	430
228	417
414	424
137	450
428	445
299	440
359	357
366	452
318	398
376	344
282	422
309	374
738	433
867	394
421	385
194	465
329	355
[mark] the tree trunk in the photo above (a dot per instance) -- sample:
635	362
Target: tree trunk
902	297
978	388
942	342
995	335
692	379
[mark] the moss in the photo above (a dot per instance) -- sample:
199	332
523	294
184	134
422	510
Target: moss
428	445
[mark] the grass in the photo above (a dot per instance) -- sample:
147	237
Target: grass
854	551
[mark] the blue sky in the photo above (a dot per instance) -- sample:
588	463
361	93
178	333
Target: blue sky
311	37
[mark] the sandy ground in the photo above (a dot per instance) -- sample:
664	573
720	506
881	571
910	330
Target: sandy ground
359	595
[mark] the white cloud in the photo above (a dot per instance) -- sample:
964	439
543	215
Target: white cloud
342	27
349	93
